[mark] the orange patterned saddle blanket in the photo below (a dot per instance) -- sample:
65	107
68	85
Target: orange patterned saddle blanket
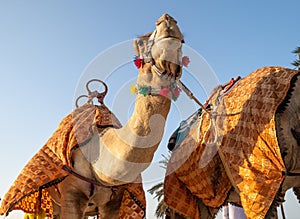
45	168
246	137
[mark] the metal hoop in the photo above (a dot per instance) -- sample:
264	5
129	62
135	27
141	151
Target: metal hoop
96	80
92	94
78	98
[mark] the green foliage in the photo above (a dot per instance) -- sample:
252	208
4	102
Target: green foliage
296	63
158	191
297	50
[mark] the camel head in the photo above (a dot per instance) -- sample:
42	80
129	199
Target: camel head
160	50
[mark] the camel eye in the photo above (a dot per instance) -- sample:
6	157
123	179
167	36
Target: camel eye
182	41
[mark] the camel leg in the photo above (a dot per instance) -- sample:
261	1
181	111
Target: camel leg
56	210
73	200
275	215
110	209
278	201
175	215
206	212
288	128
272	213
71	208
296	134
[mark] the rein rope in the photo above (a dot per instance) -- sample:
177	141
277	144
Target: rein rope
188	92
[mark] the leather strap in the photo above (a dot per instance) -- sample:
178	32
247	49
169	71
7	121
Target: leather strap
92	181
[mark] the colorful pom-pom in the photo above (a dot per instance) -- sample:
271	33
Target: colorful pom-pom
176	93
185	61
133	89
165	91
138	61
144	90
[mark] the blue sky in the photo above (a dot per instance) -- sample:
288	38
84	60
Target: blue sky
47	46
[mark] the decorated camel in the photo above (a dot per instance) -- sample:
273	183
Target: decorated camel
92	165
242	148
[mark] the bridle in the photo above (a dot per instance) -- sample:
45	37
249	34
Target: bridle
147	57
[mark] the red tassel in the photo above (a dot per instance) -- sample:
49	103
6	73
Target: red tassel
185	61
138	62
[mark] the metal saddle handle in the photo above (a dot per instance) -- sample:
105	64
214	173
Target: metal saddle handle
93	94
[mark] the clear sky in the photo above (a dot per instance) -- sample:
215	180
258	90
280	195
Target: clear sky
46	48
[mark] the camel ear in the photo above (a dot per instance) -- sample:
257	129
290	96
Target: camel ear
140	44
136	47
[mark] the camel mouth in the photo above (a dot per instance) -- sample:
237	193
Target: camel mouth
167	56
166	27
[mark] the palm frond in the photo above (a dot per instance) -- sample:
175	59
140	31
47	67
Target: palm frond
160	210
296	63
165	161
160	194
158	191
296	51
156	187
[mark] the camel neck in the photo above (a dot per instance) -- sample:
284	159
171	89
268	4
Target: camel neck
130	149
149	116
151	109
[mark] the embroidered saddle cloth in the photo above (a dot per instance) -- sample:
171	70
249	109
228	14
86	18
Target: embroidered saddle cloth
45	167
246	135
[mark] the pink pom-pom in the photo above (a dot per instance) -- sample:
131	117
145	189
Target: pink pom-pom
165	91
176	92
185	61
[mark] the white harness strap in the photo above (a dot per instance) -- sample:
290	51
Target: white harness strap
147	56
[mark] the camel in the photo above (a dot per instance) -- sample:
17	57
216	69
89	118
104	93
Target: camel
117	156
219	150
91	165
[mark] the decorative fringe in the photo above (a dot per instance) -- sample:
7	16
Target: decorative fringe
163	91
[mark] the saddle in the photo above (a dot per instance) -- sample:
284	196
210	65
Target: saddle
245	122
47	167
